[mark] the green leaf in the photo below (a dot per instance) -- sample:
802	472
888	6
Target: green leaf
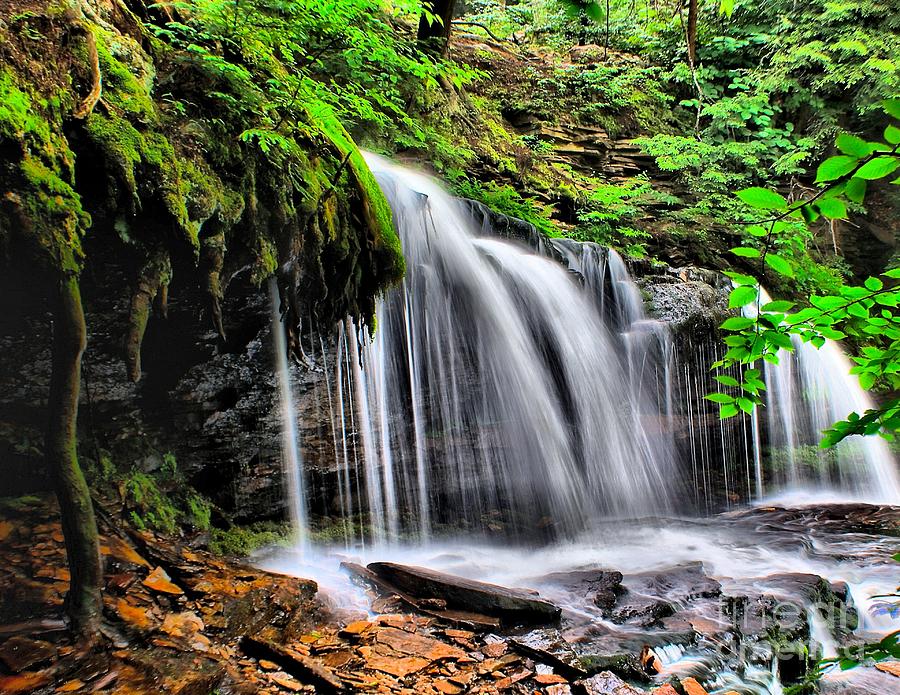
736	323
741	296
727	410
892	107
762	198
833	209
856	189
873	284
726	7
745	252
878	168
594	11
779	306
835	167
719	398
746	405
726	380
779	265
892	135
854	146
740	279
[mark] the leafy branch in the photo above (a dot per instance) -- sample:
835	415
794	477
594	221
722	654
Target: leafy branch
866	313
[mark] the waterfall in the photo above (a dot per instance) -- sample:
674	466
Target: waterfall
806	392
494	392
290	451
514	384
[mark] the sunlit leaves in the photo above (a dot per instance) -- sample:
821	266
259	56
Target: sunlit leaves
779	265
741	296
746	252
878	168
832	208
854	146
737	323
855	190
892	107
762	198
835	167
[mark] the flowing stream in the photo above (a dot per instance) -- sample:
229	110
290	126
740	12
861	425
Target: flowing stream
514	414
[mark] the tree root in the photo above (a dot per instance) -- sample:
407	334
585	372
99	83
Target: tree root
87	106
152	277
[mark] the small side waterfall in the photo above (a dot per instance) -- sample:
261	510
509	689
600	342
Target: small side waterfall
807	391
290	450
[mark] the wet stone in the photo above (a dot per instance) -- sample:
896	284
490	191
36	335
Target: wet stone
21	653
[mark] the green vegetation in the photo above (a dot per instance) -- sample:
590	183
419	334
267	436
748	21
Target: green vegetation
865	314
240	541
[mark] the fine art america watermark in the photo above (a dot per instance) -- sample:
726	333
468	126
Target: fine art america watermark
762	629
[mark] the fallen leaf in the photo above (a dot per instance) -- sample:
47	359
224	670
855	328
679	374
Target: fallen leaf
692	687
892	667
23	682
133	615
182	624
71	686
159	581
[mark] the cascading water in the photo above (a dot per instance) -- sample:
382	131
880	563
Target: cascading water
807	391
493	392
290	456
518	389
499	391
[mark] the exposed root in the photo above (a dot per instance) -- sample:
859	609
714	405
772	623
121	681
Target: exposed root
214	261
153	276
87	106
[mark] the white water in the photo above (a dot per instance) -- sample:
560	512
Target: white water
493	392
504	396
807	392
290	456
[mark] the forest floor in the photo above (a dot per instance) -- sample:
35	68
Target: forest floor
180	620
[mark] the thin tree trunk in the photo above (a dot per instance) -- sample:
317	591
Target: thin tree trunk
436	35
606	42
692	32
83	602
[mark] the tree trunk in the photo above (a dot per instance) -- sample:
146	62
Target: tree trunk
83	602
692	32
435	36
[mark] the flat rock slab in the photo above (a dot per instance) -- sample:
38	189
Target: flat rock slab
607	683
512	606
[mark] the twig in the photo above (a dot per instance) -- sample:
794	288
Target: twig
458	23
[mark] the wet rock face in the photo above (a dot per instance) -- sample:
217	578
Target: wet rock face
693	301
212	404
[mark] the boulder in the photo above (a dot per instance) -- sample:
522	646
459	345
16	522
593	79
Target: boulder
607	683
512	606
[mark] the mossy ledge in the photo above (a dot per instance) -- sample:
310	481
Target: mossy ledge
113	139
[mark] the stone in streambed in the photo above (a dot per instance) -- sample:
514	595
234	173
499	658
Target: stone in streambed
607	683
692	687
513	606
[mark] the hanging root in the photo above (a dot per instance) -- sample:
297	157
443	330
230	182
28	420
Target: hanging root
87	106
214	260
152	277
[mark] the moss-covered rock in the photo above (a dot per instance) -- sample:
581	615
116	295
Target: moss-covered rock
179	157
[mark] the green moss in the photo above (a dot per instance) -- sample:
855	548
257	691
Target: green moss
121	87
41	177
376	209
243	540
120	144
